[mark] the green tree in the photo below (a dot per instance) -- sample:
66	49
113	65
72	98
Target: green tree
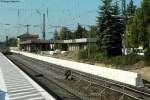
93	31
65	33
131	8
85	33
116	10
132	38
73	35
56	37
81	32
138	26
12	42
68	34
110	29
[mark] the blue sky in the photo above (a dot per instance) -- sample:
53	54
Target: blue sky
60	12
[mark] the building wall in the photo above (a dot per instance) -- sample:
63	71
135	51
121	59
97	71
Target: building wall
21	39
77	47
70	45
18	43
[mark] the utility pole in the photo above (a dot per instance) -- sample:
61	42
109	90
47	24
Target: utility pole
6	39
27	28
44	27
124	13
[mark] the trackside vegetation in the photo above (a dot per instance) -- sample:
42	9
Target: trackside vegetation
114	33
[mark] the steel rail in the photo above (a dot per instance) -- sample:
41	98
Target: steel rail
96	78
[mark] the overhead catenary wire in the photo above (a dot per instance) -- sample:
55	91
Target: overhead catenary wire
75	16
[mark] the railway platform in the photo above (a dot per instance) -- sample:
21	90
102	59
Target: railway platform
121	76
16	85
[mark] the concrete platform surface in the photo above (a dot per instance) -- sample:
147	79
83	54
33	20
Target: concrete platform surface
16	85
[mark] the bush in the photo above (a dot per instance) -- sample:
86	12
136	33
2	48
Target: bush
125	60
147	56
83	54
92	48
89	53
100	57
117	61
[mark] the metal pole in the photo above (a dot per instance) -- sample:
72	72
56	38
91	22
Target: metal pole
43	26
28	28
89	45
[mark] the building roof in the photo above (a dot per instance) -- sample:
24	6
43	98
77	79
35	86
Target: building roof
38	41
82	40
27	35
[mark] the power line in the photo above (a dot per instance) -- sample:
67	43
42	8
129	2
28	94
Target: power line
9	1
43	4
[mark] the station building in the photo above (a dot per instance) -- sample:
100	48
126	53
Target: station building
25	37
75	44
32	43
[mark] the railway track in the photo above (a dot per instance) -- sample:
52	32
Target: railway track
146	84
52	87
135	93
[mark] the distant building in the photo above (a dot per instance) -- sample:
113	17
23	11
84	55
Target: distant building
31	43
25	37
75	44
35	45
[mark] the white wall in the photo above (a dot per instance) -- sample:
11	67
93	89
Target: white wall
126	77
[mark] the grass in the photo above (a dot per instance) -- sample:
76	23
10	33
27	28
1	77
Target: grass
118	61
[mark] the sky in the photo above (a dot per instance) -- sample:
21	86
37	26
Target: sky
58	13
